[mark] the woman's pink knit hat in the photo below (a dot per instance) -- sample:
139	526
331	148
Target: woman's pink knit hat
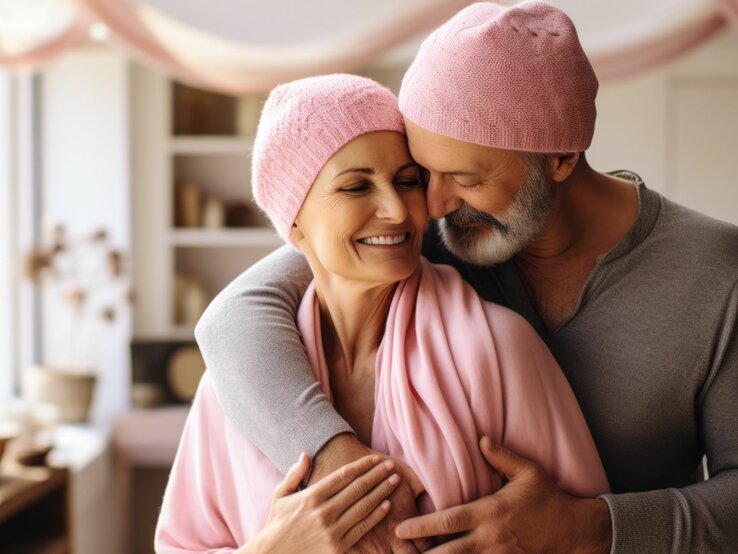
302	125
509	77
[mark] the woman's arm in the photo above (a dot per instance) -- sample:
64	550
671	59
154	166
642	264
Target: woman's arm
220	487
252	348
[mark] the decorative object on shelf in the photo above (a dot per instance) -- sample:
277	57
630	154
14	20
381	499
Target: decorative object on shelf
33	456
86	285
147	395
213	213
202	112
240	214
190	299
184	370
8	432
249	110
70	390
187	205
30	425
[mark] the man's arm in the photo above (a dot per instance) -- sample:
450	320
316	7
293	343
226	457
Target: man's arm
253	351
702	517
698	518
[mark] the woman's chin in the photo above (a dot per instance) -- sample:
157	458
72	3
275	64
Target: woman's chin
399	269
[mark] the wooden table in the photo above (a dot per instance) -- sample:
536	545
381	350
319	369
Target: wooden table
34	509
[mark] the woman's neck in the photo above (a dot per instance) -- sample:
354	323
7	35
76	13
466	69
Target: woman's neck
353	317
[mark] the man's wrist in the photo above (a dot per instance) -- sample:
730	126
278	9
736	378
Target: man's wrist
337	452
596	526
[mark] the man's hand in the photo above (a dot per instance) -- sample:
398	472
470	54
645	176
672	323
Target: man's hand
528	514
346	448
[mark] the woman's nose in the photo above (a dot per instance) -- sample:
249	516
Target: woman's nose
440	196
392	207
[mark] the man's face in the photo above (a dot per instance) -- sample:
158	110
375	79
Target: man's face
491	202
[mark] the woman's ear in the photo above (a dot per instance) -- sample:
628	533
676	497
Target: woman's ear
296	234
562	165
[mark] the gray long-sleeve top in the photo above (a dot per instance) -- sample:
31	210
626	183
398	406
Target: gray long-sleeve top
651	353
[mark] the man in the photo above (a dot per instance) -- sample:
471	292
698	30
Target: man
636	296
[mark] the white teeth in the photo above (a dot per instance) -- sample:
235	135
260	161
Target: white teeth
385	240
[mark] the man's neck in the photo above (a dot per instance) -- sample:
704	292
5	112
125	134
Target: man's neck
591	212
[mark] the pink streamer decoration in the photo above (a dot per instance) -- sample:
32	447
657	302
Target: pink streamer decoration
729	9
44	53
210	62
638	57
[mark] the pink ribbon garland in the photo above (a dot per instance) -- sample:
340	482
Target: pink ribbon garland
204	60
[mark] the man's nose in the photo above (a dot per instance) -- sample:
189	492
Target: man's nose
441	199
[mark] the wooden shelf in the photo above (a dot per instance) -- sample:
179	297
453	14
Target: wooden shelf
174	333
204	145
51	545
246	237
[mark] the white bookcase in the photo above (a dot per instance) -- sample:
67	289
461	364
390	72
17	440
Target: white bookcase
220	165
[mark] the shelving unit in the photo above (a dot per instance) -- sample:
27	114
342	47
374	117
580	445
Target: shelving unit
167	150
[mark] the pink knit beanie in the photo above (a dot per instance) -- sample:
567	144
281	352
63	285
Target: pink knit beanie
509	77
302	125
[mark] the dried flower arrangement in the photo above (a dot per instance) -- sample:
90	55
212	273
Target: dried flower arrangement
91	276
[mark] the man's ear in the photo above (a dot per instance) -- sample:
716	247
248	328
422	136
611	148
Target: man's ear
562	165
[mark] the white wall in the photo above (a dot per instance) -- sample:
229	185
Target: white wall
86	185
677	127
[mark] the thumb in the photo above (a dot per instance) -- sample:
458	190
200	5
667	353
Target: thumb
295	475
502	459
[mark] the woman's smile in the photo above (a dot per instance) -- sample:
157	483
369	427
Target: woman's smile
383	241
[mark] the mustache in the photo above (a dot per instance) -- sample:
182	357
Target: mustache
466	215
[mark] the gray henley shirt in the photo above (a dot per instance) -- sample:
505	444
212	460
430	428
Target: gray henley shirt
651	353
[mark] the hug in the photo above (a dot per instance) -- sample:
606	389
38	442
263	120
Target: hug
474	342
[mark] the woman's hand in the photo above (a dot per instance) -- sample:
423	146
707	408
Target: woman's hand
331	515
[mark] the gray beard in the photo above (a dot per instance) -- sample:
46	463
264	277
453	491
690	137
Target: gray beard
500	237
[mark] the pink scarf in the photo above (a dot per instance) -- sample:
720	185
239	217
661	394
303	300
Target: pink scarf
451	368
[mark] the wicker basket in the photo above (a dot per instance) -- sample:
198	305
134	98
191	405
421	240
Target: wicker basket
69	389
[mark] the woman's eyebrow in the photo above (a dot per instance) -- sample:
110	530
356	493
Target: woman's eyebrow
367	170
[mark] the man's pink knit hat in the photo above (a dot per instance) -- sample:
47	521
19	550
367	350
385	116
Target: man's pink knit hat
302	125
509	77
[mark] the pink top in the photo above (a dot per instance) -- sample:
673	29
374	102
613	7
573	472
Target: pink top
451	368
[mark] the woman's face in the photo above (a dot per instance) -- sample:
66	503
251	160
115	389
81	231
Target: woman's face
365	214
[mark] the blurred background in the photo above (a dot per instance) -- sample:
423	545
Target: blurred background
125	205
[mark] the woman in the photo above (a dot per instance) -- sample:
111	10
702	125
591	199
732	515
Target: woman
411	357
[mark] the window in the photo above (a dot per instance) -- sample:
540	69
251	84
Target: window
18	224
8	267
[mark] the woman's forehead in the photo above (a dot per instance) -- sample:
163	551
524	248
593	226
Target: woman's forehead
378	150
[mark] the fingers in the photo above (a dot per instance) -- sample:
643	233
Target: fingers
416	485
404	548
462	545
502	459
357	532
423	544
360	498
294	477
335	482
446	522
